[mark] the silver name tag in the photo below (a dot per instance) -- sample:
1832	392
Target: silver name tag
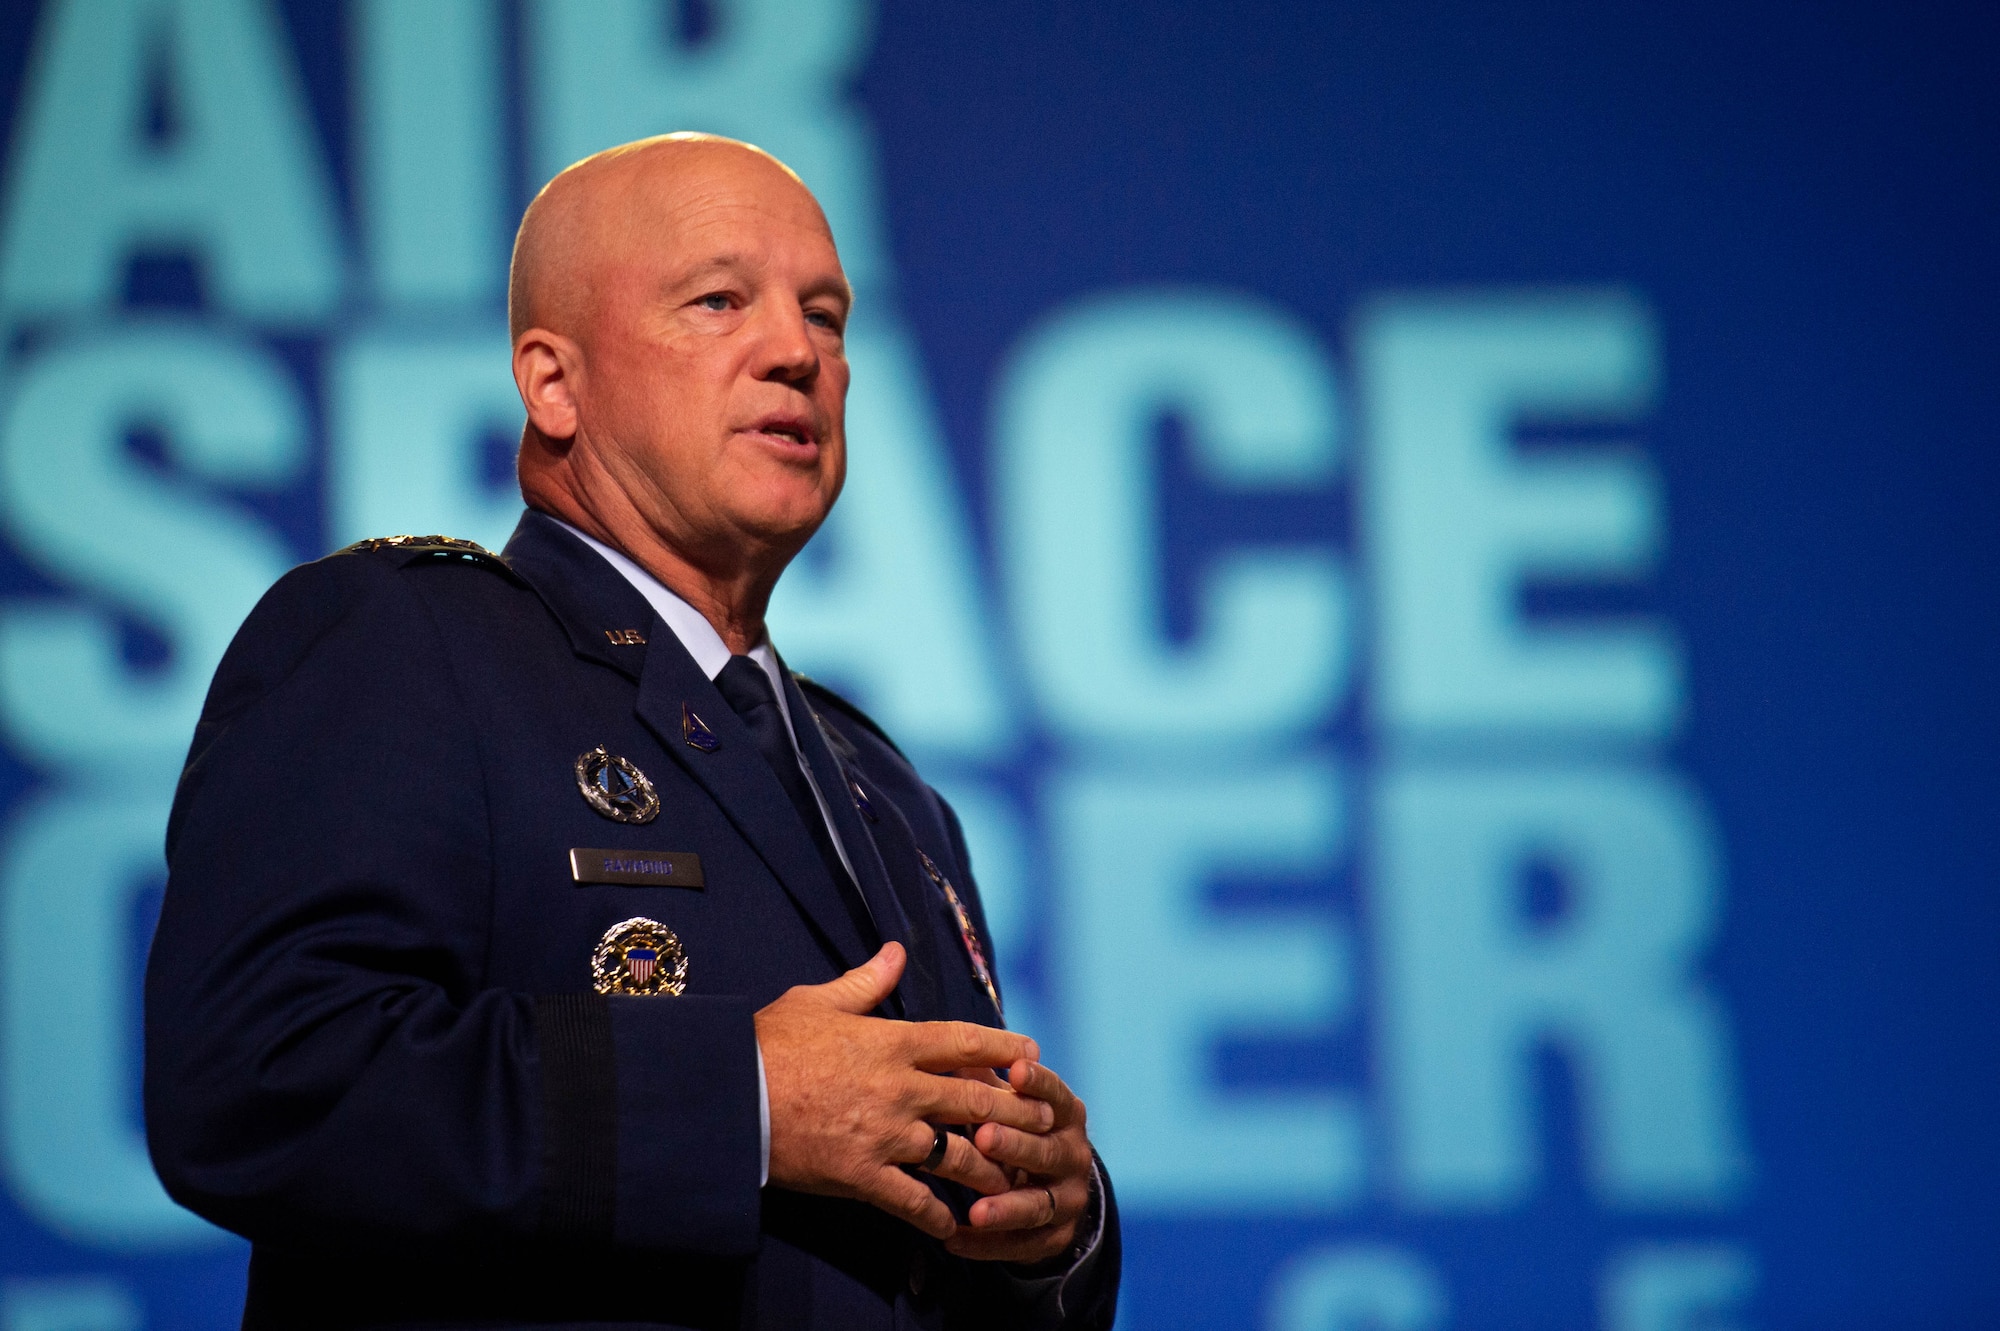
636	868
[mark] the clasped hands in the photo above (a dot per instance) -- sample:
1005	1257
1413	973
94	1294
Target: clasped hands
854	1097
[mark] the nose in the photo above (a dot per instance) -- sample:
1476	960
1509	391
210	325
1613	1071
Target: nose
786	352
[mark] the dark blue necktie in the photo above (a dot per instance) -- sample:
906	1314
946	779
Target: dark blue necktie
747	689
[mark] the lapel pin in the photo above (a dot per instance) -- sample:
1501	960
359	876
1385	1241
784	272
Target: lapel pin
625	637
861	800
615	787
974	953
696	733
640	957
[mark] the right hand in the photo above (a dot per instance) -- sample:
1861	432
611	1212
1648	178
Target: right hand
853	1097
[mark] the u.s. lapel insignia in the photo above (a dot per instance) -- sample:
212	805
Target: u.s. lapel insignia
615	787
974	953
640	957
695	732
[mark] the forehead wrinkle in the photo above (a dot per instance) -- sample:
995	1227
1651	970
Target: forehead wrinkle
719	263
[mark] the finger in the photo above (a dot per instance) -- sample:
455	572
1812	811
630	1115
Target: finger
964	1164
947	1046
1032	1207
1023	1246
1017	1208
1033	1079
960	1100
1060	1153
916	1143
907	1199
863	989
984	1076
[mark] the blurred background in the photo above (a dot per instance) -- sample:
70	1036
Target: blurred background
1445	554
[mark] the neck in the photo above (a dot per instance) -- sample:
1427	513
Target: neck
730	590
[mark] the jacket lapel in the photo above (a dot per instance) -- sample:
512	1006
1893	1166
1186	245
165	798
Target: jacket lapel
878	888
924	900
588	597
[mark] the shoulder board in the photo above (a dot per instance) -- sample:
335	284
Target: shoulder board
416	548
820	693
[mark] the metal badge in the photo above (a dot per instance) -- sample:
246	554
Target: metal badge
695	732
973	951
616	788
639	957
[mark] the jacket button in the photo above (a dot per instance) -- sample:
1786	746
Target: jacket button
917	1276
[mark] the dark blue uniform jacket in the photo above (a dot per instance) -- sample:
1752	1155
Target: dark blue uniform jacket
372	1043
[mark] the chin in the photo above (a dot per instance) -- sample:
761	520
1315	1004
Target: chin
785	504
784	528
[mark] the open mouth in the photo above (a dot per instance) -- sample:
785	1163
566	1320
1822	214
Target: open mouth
790	432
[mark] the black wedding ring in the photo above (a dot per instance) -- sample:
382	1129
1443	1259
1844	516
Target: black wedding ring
938	1143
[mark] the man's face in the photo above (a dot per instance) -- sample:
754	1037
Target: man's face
715	375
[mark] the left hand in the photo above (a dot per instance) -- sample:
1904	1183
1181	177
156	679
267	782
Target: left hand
1037	1218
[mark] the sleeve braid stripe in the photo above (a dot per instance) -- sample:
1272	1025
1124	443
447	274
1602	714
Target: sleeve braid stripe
579	1116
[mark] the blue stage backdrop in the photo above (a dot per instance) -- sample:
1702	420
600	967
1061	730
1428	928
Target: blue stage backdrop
1445	554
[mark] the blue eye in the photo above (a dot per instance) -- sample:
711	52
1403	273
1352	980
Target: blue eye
714	301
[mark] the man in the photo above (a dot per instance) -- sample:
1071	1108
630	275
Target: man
536	950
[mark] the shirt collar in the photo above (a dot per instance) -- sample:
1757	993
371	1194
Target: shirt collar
703	643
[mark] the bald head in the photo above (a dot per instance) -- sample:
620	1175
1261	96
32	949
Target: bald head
679	317
597	209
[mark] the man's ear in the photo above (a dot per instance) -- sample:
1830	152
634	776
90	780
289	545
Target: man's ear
547	367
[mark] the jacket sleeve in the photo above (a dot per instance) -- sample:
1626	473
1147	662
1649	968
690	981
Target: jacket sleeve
324	1061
